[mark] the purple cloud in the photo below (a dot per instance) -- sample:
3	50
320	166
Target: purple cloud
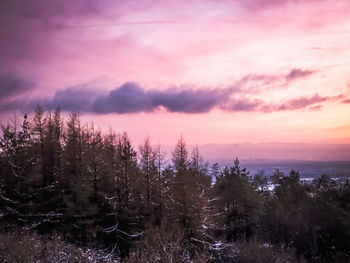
302	102
313	103
297	74
253	83
12	85
130	98
78	98
242	105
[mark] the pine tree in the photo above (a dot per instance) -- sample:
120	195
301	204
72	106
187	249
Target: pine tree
78	197
179	184
190	188
149	173
48	194
17	191
127	224
160	184
238	203
38	130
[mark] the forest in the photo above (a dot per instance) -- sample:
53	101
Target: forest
70	192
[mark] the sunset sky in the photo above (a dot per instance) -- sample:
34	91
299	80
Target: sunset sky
240	71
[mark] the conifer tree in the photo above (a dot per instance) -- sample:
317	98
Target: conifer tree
17	192
79	196
190	188
238	203
149	173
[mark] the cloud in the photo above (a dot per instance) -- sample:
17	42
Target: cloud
295	74
12	85
133	98
27	28
190	100
253	83
130	98
346	101
78	98
259	79
242	104
8	106
303	102
313	102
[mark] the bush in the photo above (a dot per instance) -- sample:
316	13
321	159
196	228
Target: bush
25	246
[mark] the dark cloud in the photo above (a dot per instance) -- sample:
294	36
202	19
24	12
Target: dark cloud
13	105
12	85
130	98
190	100
78	98
12	88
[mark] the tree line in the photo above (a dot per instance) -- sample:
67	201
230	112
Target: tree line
96	190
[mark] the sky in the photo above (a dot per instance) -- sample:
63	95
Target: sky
216	72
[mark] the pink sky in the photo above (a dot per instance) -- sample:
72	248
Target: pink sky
253	71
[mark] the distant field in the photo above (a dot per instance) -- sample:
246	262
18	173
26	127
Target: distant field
335	169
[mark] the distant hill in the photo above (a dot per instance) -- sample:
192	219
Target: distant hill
277	151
